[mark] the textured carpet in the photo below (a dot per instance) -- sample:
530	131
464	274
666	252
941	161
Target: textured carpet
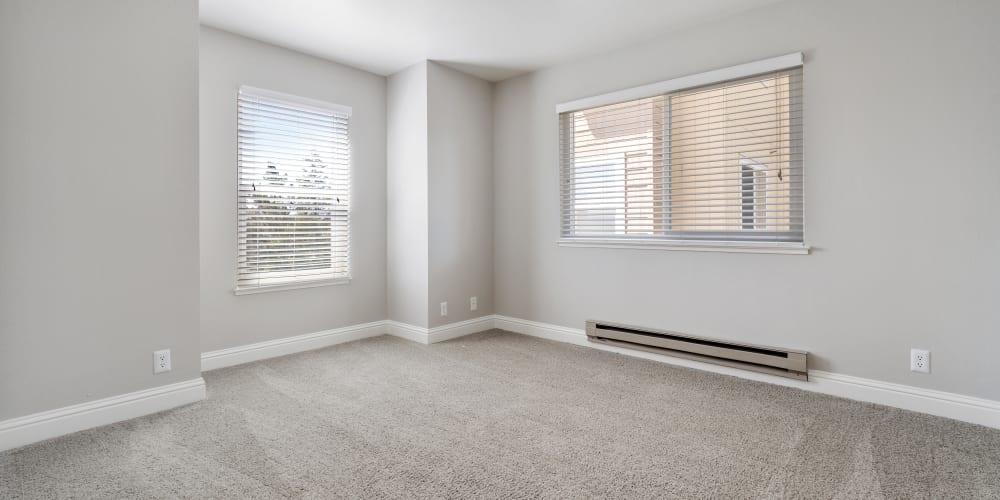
499	415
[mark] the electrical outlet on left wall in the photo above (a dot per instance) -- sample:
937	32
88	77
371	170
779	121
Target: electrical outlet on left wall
161	361
920	361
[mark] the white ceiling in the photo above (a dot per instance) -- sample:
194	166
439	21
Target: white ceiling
491	39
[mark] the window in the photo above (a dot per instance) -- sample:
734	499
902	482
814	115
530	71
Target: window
706	164
293	193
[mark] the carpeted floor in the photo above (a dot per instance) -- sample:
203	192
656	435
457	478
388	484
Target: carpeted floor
499	415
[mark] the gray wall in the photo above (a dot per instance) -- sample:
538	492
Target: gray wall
406	188
460	193
901	196
227	320
98	199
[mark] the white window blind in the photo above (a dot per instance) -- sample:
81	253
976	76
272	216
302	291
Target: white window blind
294	173
718	162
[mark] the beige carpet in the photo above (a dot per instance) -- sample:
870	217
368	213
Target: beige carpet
499	415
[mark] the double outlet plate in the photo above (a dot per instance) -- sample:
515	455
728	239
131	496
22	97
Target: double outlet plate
920	361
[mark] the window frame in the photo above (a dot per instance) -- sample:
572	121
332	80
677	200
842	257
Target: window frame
703	243
296	282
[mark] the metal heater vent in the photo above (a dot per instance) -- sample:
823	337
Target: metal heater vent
772	360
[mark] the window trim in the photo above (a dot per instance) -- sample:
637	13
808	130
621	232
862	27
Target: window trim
740	71
787	61
291	286
690	246
306	104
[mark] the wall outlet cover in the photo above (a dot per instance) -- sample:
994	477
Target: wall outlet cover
473	303
920	361
161	361
444	309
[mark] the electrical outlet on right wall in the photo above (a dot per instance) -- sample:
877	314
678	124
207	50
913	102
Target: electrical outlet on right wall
920	361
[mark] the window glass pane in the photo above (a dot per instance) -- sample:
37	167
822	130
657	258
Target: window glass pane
720	162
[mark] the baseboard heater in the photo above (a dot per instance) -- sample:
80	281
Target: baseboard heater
771	360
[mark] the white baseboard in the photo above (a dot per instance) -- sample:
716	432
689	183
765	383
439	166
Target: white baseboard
460	329
542	330
29	429
289	345
944	404
409	332
439	333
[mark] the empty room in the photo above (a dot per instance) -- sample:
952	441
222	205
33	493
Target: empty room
499	249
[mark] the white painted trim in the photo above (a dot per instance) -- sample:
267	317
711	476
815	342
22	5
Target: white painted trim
29	429
541	330
944	404
691	246
440	333
289	345
685	82
305	102
409	332
290	286
460	328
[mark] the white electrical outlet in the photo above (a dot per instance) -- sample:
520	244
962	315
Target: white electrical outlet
161	361
444	309
473	303
920	361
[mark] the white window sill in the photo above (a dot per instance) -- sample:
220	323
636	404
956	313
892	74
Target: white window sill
290	286
690	246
